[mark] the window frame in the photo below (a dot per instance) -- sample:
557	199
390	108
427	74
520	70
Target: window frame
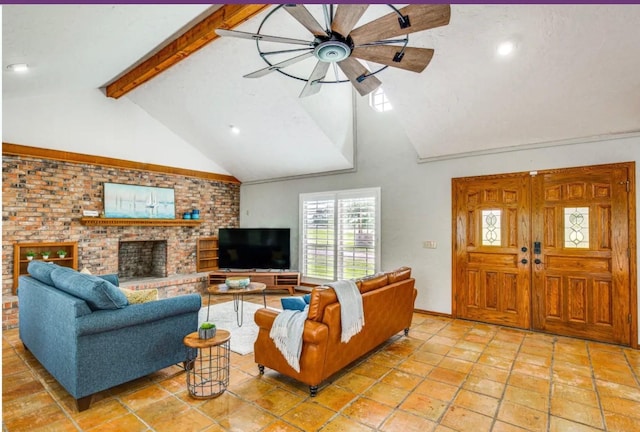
336	196
384	105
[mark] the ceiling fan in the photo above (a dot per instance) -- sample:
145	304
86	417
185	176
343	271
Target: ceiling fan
337	43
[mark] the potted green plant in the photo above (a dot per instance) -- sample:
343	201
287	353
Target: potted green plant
30	255
62	253
207	330
45	254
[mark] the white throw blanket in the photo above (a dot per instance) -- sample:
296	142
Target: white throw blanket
351	310
286	333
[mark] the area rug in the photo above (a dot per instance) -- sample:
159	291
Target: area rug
224	317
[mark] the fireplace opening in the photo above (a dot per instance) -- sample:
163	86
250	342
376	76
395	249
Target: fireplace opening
142	259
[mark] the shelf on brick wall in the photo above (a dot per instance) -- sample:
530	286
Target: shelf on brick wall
92	221
21	260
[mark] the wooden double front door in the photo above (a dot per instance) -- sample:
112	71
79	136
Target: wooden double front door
548	251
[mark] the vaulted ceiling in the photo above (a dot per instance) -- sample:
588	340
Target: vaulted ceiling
573	74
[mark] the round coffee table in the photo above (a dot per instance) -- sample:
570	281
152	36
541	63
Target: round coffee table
238	296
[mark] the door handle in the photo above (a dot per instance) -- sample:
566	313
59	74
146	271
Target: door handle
537	261
524	249
524	261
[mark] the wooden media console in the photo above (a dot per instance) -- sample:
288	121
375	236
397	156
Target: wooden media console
273	279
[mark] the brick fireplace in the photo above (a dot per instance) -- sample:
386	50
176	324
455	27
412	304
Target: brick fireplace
142	259
44	199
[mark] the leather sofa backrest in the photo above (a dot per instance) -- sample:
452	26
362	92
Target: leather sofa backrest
372	283
400	274
322	296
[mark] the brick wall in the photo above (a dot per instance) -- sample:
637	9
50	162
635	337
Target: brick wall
44	199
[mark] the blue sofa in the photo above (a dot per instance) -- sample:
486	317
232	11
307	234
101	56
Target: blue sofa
84	332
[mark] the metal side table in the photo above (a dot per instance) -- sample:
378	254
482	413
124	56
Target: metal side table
207	364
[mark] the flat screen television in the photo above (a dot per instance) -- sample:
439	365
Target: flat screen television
254	248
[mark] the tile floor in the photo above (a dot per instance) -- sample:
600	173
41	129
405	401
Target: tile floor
448	375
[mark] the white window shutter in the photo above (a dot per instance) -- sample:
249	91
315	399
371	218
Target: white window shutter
339	234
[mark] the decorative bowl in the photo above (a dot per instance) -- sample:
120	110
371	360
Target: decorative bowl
237	282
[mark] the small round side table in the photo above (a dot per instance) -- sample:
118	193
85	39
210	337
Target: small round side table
207	364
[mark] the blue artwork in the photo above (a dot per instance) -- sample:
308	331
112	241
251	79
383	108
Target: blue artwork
144	202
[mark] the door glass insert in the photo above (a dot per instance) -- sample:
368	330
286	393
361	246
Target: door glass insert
576	227
491	227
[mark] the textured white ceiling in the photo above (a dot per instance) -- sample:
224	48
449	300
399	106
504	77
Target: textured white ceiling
76	47
574	73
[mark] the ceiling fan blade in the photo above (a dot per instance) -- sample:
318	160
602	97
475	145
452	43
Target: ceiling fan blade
276	66
357	74
313	86
412	59
420	17
304	17
255	36
346	17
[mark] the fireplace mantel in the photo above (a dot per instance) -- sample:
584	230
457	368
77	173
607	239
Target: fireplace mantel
95	221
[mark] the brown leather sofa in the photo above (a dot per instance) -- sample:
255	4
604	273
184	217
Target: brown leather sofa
388	303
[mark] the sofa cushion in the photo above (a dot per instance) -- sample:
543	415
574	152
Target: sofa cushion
293	303
97	292
401	273
140	296
321	296
111	277
373	282
41	271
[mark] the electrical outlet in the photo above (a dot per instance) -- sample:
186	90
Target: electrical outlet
429	244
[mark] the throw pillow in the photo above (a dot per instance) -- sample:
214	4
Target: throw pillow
140	296
307	298
293	303
97	292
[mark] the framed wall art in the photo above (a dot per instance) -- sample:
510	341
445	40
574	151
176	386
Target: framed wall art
141	202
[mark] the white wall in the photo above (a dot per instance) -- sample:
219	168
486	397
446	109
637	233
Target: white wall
88	122
416	198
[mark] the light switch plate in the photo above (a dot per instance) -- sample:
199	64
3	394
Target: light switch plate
430	244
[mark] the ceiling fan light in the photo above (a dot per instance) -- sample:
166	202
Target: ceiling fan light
332	51
505	48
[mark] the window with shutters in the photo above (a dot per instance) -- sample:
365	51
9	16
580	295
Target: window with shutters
339	234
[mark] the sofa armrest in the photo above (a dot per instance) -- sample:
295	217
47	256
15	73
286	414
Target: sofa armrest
314	332
135	314
264	318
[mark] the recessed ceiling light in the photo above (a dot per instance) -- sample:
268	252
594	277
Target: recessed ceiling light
505	48
18	67
234	130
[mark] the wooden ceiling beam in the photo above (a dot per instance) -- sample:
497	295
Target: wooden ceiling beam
227	17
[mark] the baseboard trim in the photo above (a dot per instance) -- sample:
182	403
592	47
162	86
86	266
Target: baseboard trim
428	312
